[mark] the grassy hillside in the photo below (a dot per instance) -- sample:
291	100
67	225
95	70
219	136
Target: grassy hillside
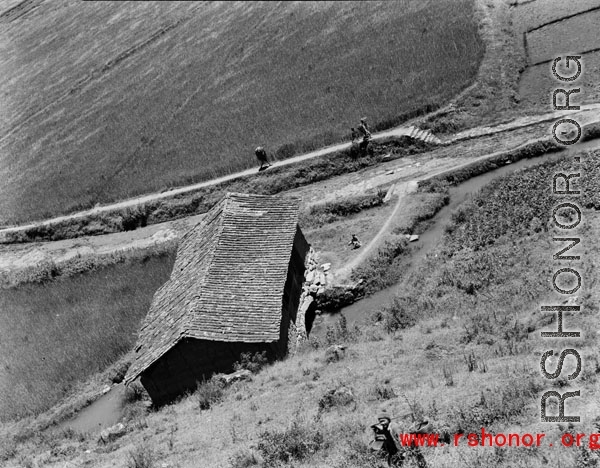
460	347
107	100
57	333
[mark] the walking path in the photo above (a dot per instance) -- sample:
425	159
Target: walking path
410	131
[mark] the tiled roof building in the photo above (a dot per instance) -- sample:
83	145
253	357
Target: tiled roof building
235	287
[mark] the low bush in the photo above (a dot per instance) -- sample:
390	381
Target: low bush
244	458
119	371
340	397
253	362
209	393
134	392
142	456
296	443
381	392
400	314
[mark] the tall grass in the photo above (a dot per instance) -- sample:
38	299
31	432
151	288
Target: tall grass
136	97
57	333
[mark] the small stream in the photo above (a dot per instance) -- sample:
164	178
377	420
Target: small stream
106	411
432	237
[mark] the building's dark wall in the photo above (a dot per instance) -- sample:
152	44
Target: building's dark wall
292	289
191	361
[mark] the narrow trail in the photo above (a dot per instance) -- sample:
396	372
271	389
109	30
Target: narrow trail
410	131
402	190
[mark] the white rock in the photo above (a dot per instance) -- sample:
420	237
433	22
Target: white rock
242	374
113	433
106	389
326	266
413	238
310	276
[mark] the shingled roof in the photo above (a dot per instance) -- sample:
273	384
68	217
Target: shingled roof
228	278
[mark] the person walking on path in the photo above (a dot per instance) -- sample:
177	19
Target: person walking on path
261	155
363	128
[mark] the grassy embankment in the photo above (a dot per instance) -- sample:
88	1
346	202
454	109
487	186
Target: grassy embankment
57	333
460	347
273	181
135	98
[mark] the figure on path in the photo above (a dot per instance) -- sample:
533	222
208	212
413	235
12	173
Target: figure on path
261	155
354	242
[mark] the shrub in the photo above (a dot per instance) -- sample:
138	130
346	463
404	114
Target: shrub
209	392
400	314
119	372
252	362
382	392
134	392
244	459
142	456
297	442
336	398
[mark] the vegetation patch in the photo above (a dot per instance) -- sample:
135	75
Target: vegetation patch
327	213
296	443
48	270
209	393
59	332
517	205
379	271
457	176
253	362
